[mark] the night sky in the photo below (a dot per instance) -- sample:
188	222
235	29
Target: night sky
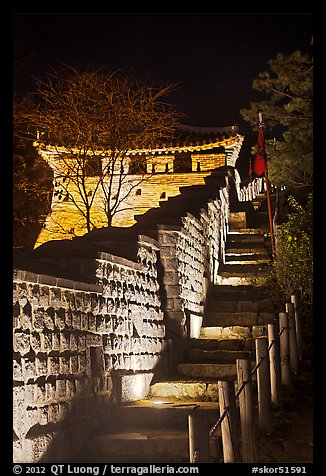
212	57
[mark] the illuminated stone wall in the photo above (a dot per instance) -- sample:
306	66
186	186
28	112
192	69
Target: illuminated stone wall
65	222
80	348
190	257
84	344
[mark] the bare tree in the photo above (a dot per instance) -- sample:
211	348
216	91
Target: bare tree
92	120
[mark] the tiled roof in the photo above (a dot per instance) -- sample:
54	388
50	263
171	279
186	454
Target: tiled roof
188	138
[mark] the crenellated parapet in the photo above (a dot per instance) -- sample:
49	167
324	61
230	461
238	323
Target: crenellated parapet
137	181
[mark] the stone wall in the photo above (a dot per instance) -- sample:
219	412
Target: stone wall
141	194
80	349
96	332
190	256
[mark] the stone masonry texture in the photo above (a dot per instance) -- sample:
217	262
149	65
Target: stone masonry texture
77	351
83	345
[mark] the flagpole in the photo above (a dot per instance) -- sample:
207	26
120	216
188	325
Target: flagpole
251	195
270	215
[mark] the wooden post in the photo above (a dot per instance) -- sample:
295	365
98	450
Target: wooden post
284	349
229	426
263	384
248	432
274	364
198	438
294	361
297	317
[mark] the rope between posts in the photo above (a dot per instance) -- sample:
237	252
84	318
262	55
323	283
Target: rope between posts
244	383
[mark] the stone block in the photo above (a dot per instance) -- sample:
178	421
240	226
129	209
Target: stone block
76	319
38	447
31	417
73	342
126	362
108	363
65	298
53	366
49	318
17	370
41	366
82	364
50	390
195	326
20	423
38	319
100	324
93	340
81	346
94	302
43	415
39	394
55	297
84	320
135	387
46	341
22	294
170	264
73	364
21	342
64	365
29	394
64	341
87	302
53	413
79	300
63	411
18	395
56	341
59	318
44	296
35	340
173	291
167	251
25	320
28	369
69	317
61	389
17	454
71	388
91	322
167	238
16	315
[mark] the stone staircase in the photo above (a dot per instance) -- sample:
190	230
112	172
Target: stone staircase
155	430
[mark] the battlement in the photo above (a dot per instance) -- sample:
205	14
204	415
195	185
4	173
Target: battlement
134	182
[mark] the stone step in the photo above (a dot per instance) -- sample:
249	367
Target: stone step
238	293
171	409
247	257
185	389
149	431
243	270
217	371
242	248
151	446
202	356
245	236
234	318
227	280
223	344
240	305
233	332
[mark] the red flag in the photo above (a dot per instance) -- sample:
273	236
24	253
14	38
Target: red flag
259	165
